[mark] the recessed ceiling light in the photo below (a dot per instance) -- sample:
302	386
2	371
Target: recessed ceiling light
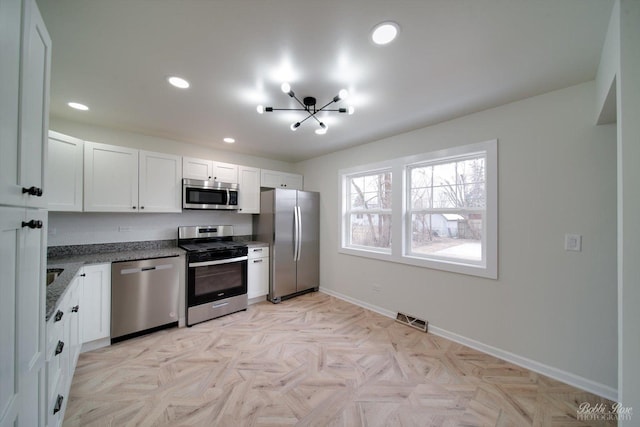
78	106
229	140
385	32
178	82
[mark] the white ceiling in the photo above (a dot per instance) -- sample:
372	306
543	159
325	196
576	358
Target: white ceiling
452	57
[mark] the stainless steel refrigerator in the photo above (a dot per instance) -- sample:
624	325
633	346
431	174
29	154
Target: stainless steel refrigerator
289	222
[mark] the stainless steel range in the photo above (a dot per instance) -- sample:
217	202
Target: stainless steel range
216	281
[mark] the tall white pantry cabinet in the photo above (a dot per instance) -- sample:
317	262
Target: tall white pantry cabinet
25	58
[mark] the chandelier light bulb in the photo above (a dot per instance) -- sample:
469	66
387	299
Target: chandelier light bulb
286	87
343	94
351	110
260	109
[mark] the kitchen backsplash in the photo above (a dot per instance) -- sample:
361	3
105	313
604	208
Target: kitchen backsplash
73	228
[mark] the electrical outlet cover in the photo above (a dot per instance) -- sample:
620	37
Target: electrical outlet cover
573	242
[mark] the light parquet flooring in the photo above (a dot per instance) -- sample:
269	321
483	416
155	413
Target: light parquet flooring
310	361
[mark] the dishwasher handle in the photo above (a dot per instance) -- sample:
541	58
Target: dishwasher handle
135	270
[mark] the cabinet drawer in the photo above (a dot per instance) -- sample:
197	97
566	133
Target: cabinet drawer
258	252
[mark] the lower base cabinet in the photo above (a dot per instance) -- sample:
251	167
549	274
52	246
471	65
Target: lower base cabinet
258	272
62	350
83	315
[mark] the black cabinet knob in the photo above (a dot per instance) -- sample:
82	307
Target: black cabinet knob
59	347
141	207
58	316
133	207
32	191
75	309
32	224
83	275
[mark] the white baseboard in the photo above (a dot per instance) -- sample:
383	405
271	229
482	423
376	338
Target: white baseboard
540	368
94	345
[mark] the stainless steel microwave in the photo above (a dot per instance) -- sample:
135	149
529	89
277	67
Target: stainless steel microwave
198	194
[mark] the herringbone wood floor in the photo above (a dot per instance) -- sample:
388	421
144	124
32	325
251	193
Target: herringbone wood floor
311	361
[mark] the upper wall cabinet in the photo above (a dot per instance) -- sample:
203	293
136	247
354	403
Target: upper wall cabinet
64	173
275	179
110	178
160	186
193	168
24	104
249	190
120	179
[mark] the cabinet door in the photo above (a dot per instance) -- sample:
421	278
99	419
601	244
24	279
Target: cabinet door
292	181
249	190
34	104
10	18
270	179
258	277
10	236
160	178
110	178
31	330
64	173
24	104
95	302
225	172
193	168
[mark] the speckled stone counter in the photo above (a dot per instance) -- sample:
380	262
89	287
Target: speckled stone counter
72	258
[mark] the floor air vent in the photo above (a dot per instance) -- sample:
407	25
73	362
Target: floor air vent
414	322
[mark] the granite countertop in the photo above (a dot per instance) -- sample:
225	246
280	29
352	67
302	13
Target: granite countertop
72	258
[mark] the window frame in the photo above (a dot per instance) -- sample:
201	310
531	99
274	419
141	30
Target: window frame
401	213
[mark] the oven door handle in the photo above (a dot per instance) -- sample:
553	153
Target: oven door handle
219	262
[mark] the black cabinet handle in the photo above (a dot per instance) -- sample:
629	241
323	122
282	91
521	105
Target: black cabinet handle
32	224
59	347
257	261
59	315
75	309
83	275
58	405
32	191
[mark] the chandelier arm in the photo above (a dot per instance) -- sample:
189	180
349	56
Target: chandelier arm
325	106
306	118
289	109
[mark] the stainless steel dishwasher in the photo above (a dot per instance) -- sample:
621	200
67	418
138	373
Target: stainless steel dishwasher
144	296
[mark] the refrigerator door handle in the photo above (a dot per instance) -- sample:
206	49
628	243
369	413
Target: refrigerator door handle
296	229
299	232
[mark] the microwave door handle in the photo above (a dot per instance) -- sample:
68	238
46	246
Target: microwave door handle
228	198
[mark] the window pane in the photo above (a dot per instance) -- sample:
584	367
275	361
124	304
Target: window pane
471	171
421	177
370	230
371	191
446	197
444	174
457	236
421	198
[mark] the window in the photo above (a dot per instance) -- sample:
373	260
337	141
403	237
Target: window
440	209
369	210
446	209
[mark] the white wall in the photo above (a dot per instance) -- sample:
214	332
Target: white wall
557	175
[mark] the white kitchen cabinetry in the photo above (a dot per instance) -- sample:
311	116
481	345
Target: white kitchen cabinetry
64	173
121	179
249	190
95	302
275	179
24	104
22	307
25	55
160	185
258	271
203	169
110	178
63	341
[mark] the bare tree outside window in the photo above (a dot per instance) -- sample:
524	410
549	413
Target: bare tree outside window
370	210
447	206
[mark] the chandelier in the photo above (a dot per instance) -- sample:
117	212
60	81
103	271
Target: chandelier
308	105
